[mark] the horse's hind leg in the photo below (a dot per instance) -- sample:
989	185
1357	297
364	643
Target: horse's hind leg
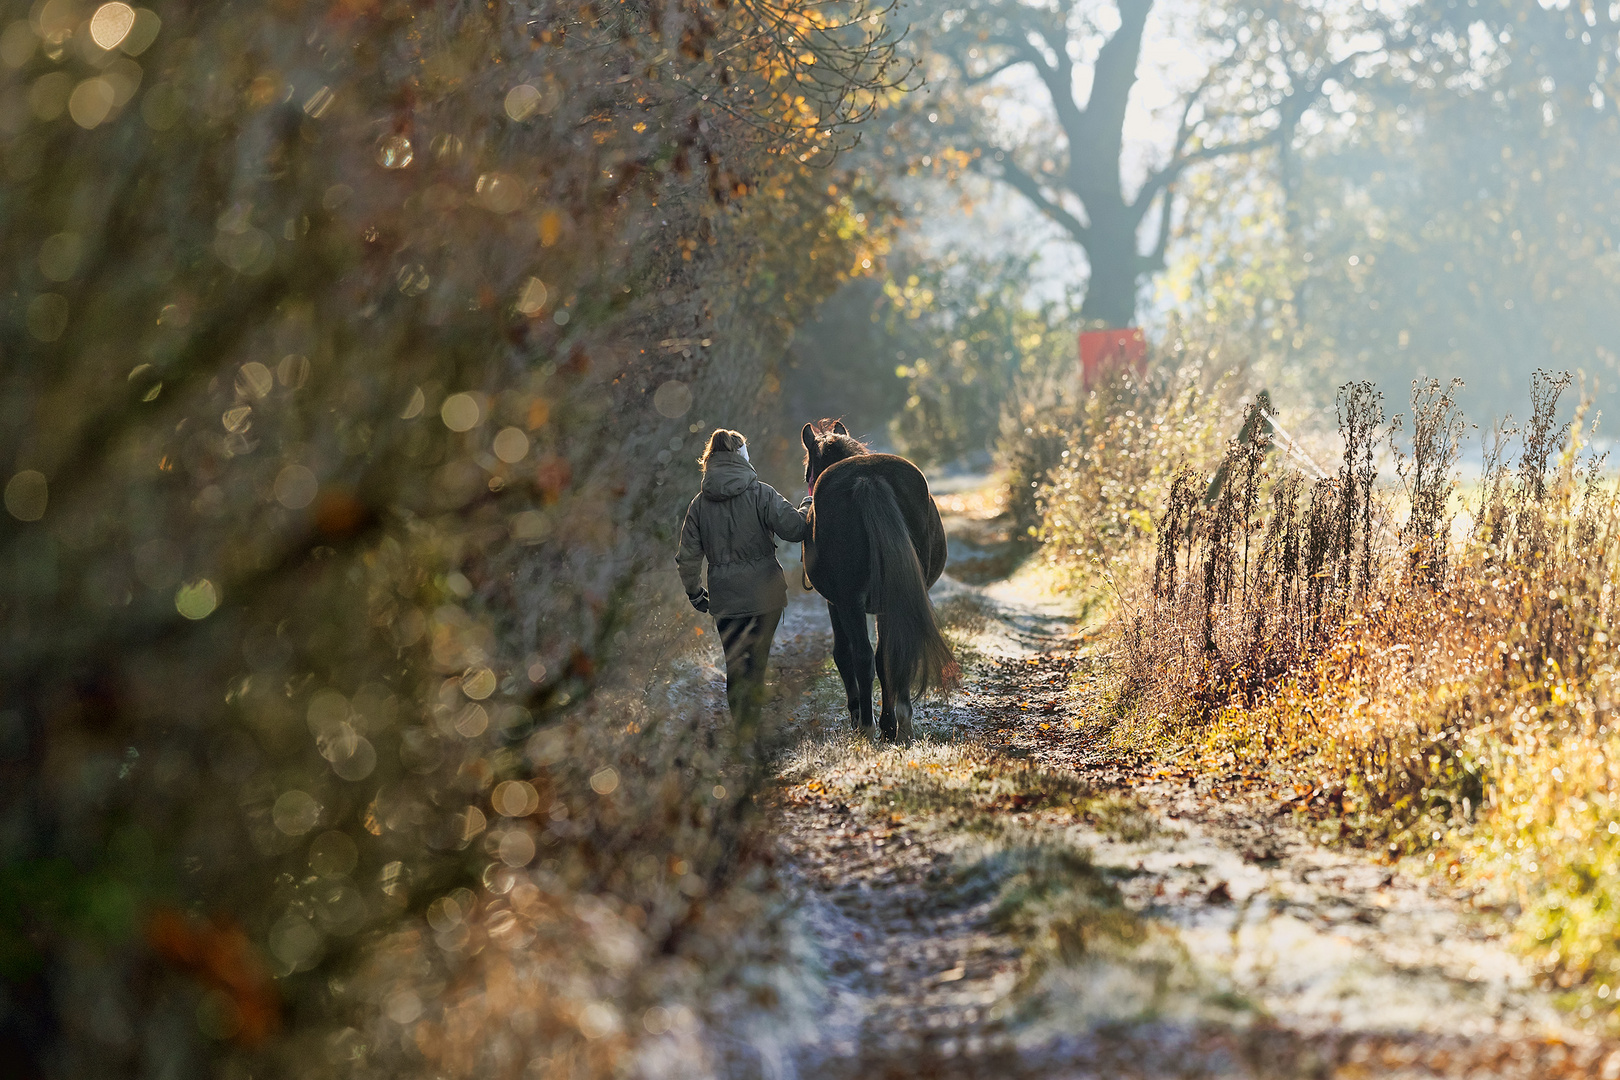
886	716
844	658
852	652
895	721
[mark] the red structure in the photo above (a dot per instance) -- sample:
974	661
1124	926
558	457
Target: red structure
1103	350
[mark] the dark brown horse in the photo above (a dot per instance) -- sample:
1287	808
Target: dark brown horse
875	545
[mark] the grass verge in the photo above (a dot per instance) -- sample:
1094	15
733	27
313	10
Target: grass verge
1435	687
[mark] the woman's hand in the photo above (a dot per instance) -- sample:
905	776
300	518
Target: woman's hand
700	600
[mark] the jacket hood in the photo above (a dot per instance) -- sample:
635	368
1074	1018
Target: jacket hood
727	475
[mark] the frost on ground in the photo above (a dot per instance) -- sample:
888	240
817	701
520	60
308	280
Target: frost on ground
1001	898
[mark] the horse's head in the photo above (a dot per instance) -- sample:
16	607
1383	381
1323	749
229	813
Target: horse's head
825	443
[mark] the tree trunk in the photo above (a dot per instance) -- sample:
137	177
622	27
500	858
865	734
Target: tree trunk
1115	265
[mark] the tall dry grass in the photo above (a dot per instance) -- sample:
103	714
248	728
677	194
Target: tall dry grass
1429	677
1088	469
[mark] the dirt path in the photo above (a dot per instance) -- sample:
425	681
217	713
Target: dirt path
1001	899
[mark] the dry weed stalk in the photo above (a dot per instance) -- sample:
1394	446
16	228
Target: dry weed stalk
1437	431
1443	694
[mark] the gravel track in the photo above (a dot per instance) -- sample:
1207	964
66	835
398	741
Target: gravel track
1291	959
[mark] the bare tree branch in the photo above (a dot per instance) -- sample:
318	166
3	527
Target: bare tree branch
954	51
1059	80
972	79
1291	108
1163	178
1028	186
1154	262
1087	197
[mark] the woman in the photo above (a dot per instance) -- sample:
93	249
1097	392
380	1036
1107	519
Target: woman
734	523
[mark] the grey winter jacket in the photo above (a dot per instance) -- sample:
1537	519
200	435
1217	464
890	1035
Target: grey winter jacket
734	523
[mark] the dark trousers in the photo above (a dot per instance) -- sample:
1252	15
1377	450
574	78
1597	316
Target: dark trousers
747	641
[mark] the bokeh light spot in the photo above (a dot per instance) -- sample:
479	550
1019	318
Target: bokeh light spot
444	914
460	412
515	798
360	762
197	599
327	709
337	742
413	408
395	152
296	812
339	908
403	1007
549	228
293	371
142	32
413	279
673	399
656	1020
91	102
144	379
472	823
472	721
478	683
111	24
393	878
522	102
295	487
532	300
316	104
26	495
333	854
254	380
56	19
597	1020
511	445
605	781
516	848
500	192
295	943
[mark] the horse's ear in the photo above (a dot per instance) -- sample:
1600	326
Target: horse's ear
809	437
839	428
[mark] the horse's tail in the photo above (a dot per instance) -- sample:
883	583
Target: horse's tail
911	645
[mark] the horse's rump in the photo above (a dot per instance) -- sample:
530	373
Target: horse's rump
834	514
874	525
